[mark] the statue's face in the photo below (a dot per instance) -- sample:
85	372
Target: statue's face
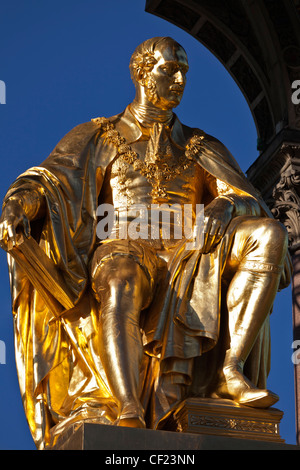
165	83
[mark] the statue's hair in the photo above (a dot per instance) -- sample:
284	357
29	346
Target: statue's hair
142	60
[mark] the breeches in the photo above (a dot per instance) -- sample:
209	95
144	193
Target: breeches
257	244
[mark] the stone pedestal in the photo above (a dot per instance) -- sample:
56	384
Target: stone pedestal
198	424
90	436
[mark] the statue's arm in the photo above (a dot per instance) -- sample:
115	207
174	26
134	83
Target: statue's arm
226	203
244	204
19	209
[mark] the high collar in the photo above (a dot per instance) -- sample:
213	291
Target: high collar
146	115
133	131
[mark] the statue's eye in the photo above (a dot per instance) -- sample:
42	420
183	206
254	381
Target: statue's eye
168	69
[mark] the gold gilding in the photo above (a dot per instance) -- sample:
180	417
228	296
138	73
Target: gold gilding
120	331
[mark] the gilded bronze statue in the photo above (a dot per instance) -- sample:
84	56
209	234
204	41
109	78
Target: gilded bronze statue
119	330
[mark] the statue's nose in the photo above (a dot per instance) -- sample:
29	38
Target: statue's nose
179	77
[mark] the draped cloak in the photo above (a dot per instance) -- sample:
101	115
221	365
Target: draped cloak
54	358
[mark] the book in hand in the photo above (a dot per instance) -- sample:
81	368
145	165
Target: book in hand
43	273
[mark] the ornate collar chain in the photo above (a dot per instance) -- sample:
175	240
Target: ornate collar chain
160	166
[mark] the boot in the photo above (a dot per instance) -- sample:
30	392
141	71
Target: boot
121	348
250	299
237	387
121	356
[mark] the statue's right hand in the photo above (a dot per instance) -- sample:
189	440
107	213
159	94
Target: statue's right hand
13	219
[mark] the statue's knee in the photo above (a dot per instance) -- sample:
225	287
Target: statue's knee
276	234
118	275
272	237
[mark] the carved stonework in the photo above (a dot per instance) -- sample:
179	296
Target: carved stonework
208	416
286	199
234	424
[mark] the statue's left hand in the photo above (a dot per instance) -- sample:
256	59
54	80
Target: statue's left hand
217	216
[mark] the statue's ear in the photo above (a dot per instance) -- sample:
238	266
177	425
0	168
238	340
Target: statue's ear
140	76
141	66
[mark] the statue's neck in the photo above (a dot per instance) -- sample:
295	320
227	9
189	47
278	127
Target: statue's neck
148	114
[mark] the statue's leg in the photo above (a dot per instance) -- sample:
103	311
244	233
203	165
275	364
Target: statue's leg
257	256
123	289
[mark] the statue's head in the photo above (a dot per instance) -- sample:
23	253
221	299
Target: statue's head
158	68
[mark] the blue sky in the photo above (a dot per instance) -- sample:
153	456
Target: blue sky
65	62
